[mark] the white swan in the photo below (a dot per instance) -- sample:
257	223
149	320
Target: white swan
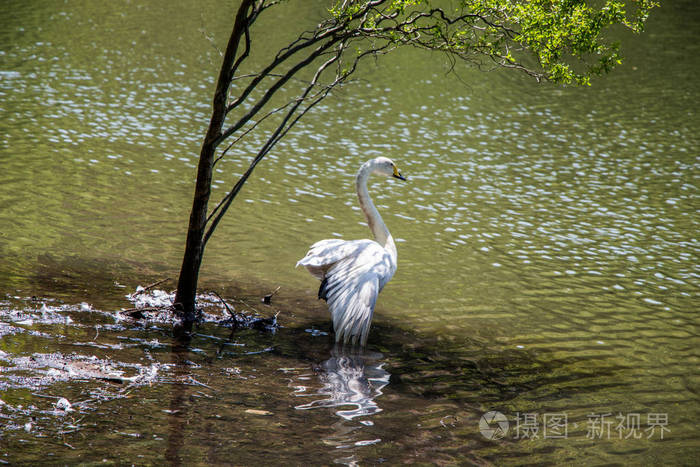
352	273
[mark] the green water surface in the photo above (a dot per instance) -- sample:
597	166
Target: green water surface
547	245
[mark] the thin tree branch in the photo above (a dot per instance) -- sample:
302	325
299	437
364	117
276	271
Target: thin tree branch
251	128
324	31
275	87
246	52
281	130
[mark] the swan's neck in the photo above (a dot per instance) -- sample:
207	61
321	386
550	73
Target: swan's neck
376	224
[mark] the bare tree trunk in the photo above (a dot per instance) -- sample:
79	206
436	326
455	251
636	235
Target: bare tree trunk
194	247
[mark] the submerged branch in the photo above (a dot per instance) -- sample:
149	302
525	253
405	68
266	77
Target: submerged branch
228	308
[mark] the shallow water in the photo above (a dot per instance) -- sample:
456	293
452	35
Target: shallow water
548	255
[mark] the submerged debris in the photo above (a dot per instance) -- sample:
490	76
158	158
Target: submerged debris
43	369
155	305
59	361
155	298
265	324
29	315
63	405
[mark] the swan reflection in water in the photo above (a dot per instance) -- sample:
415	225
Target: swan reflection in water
350	384
349	379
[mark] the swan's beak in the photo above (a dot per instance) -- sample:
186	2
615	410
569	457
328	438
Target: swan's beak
398	175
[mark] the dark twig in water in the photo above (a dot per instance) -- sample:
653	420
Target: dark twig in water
268	298
228	309
194	382
150	286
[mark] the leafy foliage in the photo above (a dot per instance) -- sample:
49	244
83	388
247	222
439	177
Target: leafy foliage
557	40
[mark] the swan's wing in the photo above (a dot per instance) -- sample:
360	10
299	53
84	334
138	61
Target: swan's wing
352	307
325	254
352	274
351	287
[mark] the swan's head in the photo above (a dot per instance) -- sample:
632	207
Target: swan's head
385	166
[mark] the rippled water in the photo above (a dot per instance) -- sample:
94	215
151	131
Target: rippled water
548	255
